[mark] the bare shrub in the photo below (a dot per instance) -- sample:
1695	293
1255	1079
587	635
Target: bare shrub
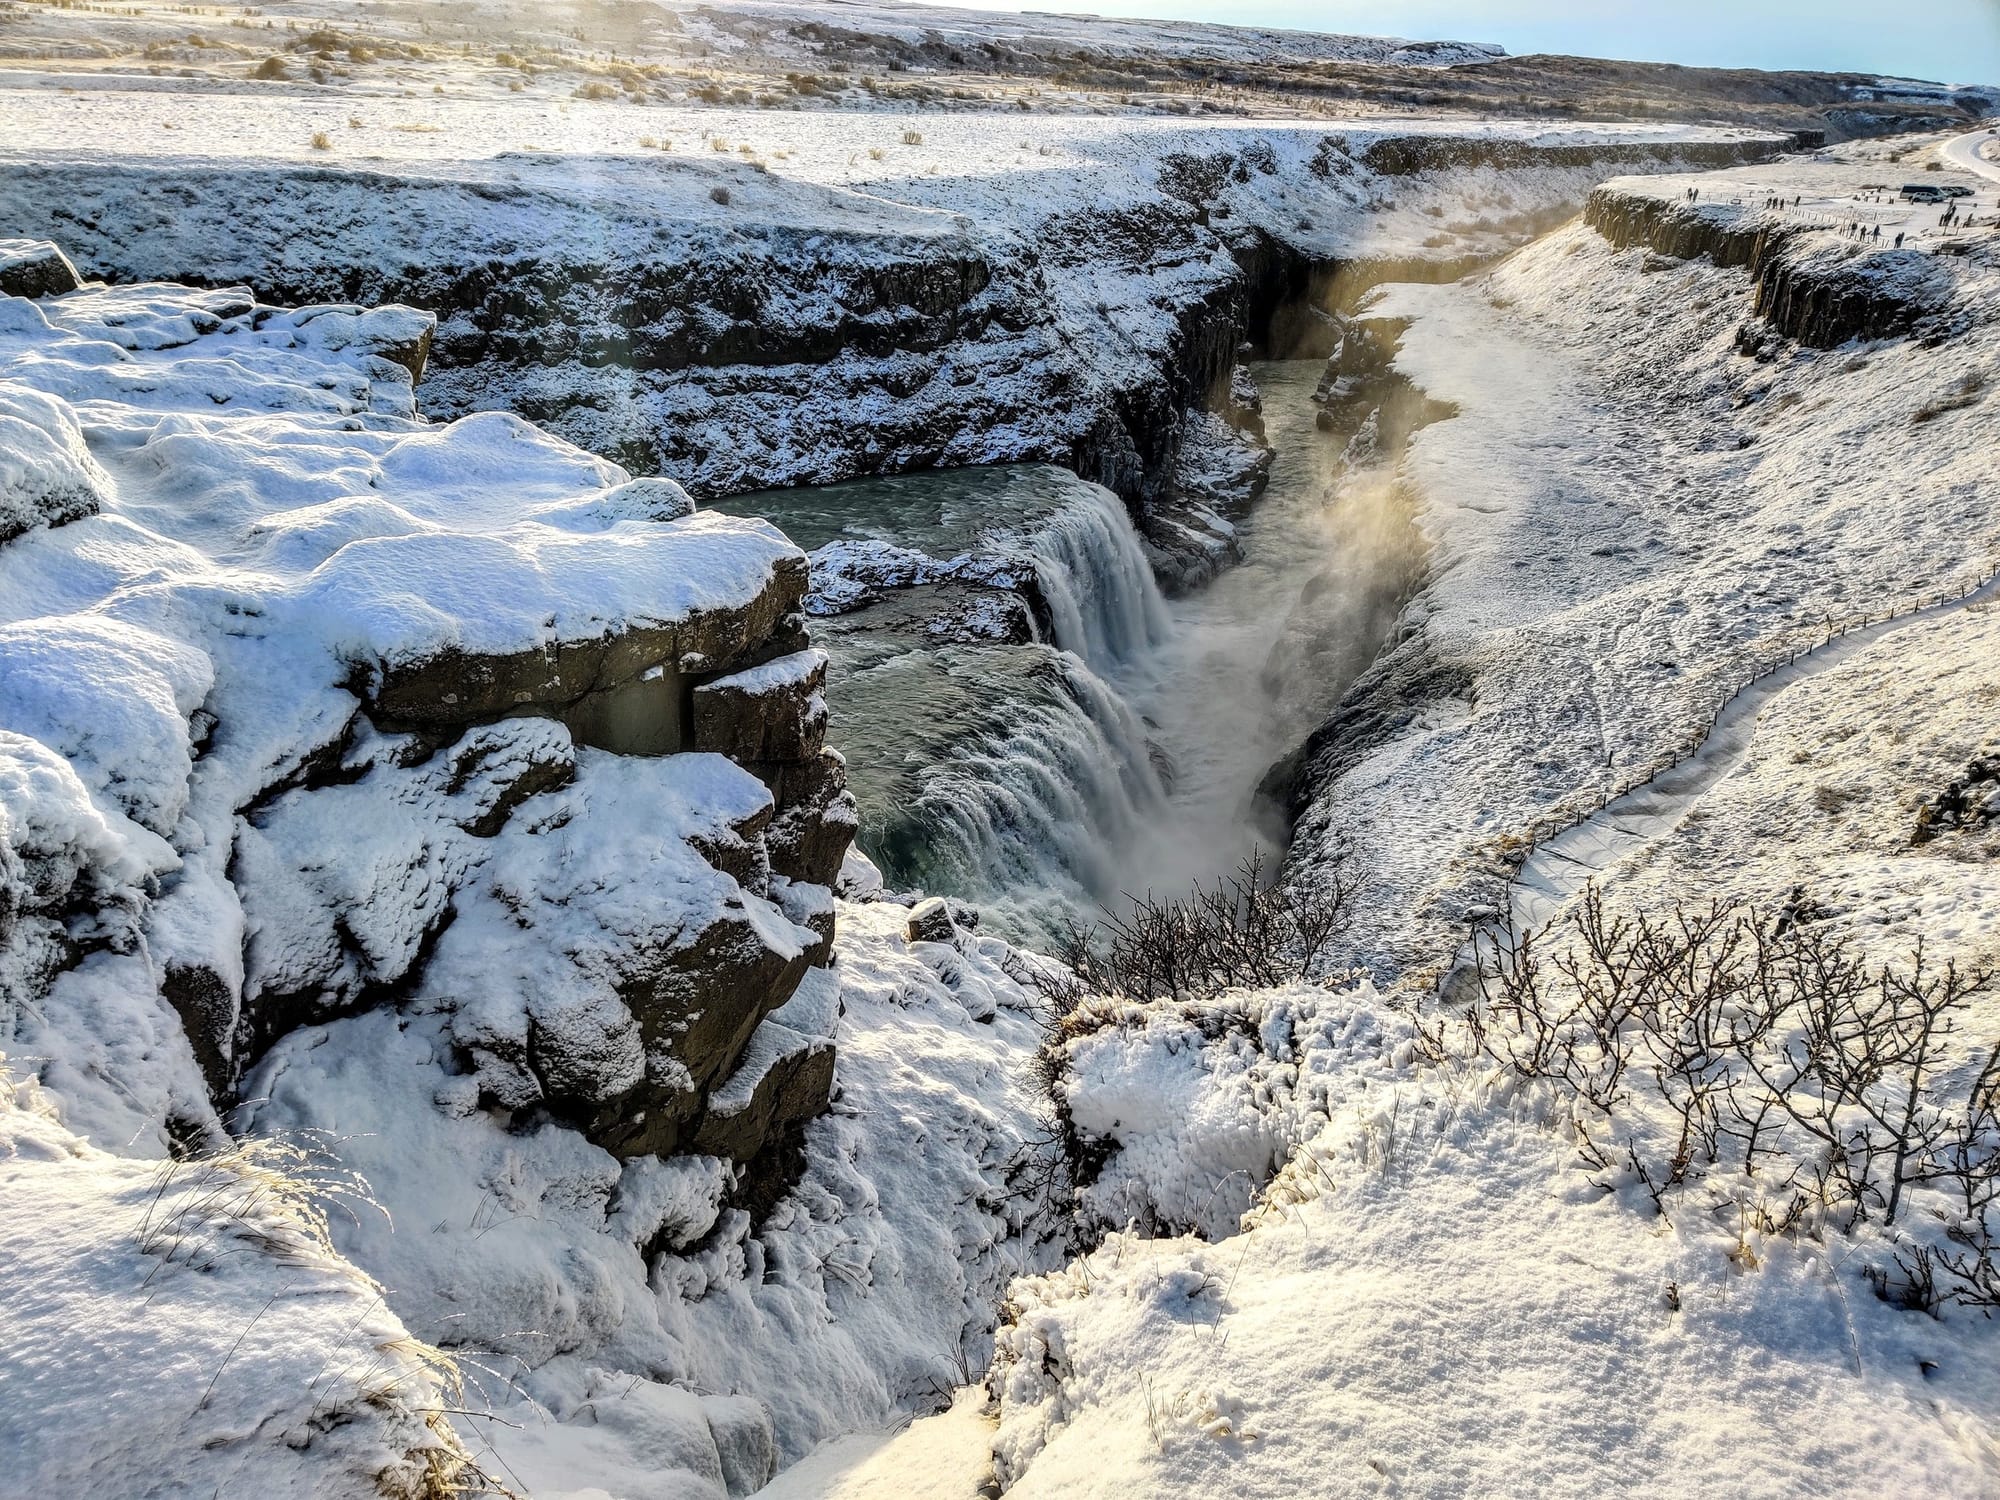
1764	1059
1246	931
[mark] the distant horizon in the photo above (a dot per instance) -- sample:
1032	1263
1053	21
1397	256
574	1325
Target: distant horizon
1953	42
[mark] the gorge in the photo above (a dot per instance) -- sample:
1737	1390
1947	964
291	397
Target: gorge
572	643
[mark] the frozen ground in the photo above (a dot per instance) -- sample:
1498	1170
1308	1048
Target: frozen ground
219	513
157	1311
1629	517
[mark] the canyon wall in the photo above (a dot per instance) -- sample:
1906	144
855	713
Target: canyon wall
313	709
1806	285
734	329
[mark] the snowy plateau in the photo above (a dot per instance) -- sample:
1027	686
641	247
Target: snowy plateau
820	748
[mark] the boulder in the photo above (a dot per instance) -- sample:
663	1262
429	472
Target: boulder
47	476
930	922
35	268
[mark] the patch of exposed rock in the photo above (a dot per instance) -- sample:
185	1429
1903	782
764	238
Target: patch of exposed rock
1808	283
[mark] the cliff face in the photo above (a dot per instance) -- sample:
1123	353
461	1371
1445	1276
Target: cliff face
309	709
735	330
1808	285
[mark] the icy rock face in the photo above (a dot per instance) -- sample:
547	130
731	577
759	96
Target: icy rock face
309	707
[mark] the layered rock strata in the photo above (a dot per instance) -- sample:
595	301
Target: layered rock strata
796	332
310	707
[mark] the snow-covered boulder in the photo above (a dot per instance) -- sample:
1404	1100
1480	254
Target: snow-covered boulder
309	706
35	268
47	476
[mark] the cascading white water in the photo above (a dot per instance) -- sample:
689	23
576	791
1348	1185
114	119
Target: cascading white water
998	771
1027	768
1102	598
1021	776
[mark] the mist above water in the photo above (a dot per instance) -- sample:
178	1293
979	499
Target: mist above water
1121	753
1257	660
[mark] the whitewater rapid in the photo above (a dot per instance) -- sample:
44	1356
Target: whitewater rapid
1099	742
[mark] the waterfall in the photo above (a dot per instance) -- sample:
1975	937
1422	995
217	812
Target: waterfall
1001	771
1018	810
1099	589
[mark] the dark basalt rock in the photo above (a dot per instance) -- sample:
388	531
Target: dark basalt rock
776	712
35	268
579	680
696	1007
1820	291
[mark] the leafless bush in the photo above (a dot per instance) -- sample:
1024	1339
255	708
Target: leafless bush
1243	932
1246	931
1765	1059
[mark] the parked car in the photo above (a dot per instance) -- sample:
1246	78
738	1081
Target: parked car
1921	192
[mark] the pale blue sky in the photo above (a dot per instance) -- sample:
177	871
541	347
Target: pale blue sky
1956	41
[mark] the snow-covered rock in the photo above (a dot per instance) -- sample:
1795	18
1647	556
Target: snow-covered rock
300	692
35	268
186	1328
679	1312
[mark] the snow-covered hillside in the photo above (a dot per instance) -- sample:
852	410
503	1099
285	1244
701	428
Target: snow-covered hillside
447	1041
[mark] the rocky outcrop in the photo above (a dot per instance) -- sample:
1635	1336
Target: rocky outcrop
1405	156
351	712
35	268
1813	286
1969	801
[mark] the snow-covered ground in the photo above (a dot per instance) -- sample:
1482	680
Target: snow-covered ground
227	539
1629	517
1450	1288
